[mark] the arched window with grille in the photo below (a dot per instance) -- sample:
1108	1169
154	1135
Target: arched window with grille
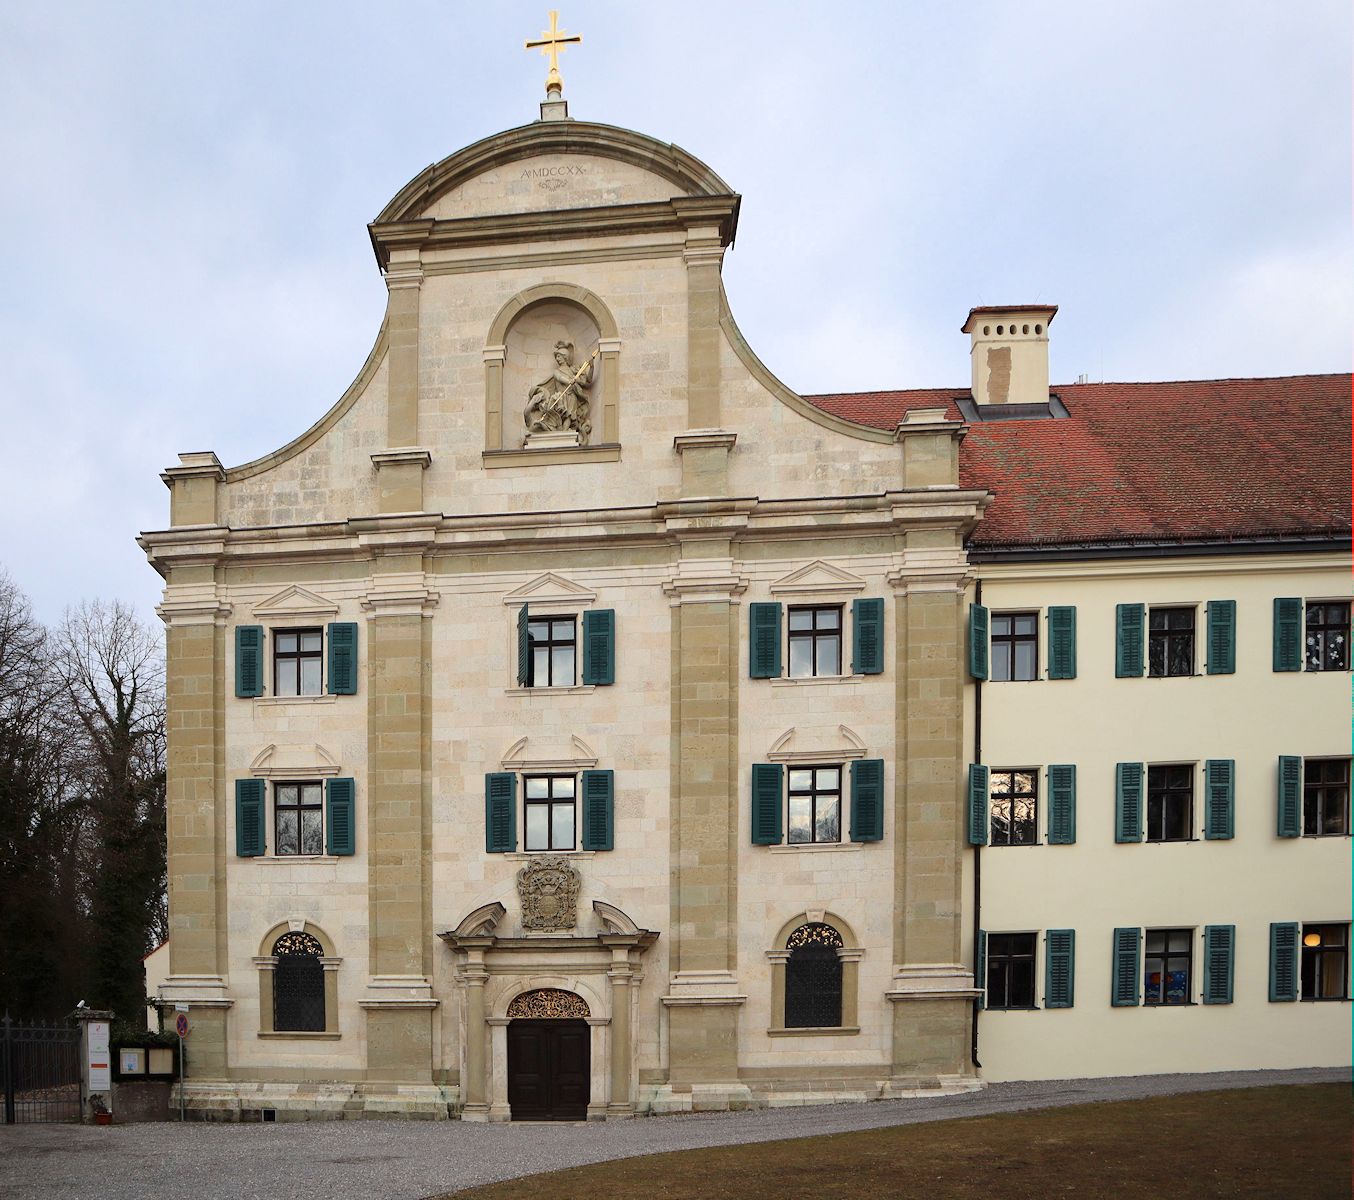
298	984
813	978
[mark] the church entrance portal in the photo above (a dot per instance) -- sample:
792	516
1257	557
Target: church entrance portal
548	1069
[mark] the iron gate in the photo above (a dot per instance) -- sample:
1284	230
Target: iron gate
40	1067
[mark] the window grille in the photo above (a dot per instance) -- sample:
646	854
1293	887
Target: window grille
298	984
813	978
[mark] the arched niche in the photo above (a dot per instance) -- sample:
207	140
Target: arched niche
519	354
265	962
848	952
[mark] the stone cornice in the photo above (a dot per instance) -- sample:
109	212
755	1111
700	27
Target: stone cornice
427	235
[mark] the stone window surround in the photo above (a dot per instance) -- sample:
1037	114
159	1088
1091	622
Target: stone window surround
607	447
819	584
849	954
265	963
555	597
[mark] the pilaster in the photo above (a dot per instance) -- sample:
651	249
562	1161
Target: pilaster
401	482
704	996
932	990
398	1001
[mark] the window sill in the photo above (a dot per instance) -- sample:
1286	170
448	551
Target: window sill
297	859
272	701
1016	1008
1014	845
585	689
526	855
1187	1004
815	847
1323	1000
816	680
306	1035
1176	841
1039	680
818	1031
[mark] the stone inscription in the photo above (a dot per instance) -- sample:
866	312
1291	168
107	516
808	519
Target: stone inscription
553	178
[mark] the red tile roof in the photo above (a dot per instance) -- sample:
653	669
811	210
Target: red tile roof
1206	459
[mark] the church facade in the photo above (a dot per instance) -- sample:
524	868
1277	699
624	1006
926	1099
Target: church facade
575	722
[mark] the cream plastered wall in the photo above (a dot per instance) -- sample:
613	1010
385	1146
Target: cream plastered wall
479	714
329	892
853	881
1096	721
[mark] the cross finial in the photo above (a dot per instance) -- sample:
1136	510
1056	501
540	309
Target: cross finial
551	42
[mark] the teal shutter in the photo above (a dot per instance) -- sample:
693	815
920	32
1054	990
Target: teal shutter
523	649
1128	802
340	825
343	658
978	782
1283	961
1128	620
1290	796
977	641
251	839
599	788
1062	642
1287	633
980	967
764	641
248	660
867	637
500	812
1219	952
1219	802
867	800
599	646
1222	637
1059	967
1062	804
1124	971
766	803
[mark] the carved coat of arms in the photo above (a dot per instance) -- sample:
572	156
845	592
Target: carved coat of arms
548	887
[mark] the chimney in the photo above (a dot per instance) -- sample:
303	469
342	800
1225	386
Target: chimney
1009	353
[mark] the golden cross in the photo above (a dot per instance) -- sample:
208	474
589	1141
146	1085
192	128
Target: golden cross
551	42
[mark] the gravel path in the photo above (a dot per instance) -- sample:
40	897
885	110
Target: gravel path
406	1160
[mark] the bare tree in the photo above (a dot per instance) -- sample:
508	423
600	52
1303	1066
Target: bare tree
43	882
111	669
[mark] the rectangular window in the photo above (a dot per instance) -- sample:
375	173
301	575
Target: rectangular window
1170	803
1170	641
298	812
1325	797
1325	962
815	804
1010	970
815	642
297	658
1166	966
1015	646
549	812
1327	637
554	651
1015	808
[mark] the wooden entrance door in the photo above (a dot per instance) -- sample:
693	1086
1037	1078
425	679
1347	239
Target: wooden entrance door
548	1070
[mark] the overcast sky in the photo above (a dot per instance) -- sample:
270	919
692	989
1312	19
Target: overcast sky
186	189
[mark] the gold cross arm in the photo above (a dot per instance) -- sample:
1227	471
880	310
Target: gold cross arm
553	40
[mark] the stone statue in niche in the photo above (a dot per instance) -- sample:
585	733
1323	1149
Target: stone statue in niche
560	403
548	889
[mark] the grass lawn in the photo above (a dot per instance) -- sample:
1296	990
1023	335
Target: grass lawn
1258	1142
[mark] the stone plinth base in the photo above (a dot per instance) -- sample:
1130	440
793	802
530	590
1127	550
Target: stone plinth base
703	1097
243	1101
